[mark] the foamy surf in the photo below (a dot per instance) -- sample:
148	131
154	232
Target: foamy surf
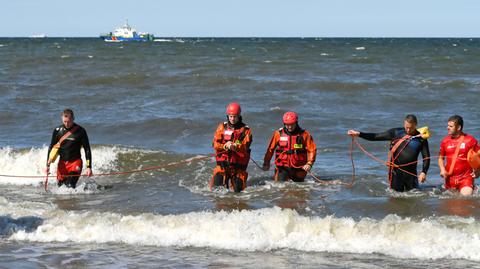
31	162
265	230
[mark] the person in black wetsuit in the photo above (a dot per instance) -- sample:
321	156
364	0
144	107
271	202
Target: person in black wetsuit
405	146
70	162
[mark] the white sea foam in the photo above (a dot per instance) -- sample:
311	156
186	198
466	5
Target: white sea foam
84	186
31	162
360	48
24	208
162	40
265	230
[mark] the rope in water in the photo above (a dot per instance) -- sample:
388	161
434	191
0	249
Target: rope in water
120	173
388	163
124	172
317	178
353	143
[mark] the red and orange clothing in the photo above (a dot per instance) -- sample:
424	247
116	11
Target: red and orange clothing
461	174
232	164
69	167
292	151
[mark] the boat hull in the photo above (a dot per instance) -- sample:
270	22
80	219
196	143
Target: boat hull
126	39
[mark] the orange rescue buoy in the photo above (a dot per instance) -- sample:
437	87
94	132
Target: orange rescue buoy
474	159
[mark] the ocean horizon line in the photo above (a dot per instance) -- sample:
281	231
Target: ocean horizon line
265	37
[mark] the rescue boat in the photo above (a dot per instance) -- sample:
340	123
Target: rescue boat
127	33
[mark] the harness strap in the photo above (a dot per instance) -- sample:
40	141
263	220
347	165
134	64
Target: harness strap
290	151
227	164
397	144
66	135
455	155
392	158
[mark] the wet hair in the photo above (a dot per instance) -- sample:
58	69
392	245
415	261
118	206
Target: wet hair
458	120
68	111
410	118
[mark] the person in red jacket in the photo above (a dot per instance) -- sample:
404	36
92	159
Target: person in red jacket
458	173
232	142
294	149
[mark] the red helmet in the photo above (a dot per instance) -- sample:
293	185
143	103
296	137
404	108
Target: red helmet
290	117
233	109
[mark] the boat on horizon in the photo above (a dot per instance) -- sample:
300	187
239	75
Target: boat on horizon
38	36
127	33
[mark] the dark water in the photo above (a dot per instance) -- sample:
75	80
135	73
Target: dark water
149	104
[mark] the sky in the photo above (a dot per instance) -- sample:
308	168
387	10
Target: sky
245	18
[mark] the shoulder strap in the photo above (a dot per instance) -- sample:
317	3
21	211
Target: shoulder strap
455	155
66	135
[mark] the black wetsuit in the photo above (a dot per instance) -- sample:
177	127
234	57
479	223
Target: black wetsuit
407	153
70	149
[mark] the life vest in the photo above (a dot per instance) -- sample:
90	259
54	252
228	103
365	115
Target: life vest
291	150
230	158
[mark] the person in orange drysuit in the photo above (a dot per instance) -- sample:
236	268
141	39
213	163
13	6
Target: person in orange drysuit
232	142
294	149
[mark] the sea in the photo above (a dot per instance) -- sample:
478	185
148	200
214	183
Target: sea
150	111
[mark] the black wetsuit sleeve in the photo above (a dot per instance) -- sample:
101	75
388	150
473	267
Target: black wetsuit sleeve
385	136
86	147
426	156
53	141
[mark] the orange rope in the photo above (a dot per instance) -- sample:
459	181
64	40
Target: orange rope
46	183
354	142
125	172
353	163
317	178
388	164
396	165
